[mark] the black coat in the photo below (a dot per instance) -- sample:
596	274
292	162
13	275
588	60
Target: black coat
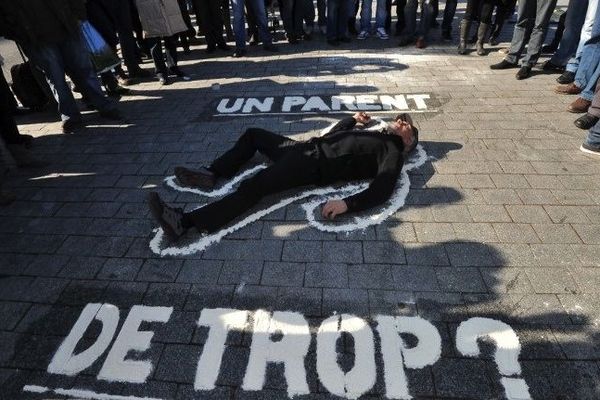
40	22
346	154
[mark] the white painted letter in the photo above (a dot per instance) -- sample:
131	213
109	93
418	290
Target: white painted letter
237	105
220	321
506	355
116	367
264	106
365	102
361	377
290	350
64	361
397	356
347	101
291	101
419	100
315	103
389	102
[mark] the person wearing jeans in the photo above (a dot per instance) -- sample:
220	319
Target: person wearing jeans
575	18
530	30
411	30
338	12
365	19
239	26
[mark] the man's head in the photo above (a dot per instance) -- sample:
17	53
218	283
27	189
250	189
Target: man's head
403	126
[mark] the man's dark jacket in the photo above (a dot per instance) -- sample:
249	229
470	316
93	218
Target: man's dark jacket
40	22
346	154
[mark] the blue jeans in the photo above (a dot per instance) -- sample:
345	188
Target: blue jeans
589	67
69	55
533	18
239	22
576	13
593	136
586	34
410	18
338	12
365	15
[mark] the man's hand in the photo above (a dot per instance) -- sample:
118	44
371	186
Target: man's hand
333	208
362	117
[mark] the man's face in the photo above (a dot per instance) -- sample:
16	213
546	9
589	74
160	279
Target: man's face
402	128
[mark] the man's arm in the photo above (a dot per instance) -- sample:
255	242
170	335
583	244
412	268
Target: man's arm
381	188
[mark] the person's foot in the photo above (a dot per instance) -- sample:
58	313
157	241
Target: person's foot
292	39
118	91
238	53
72	125
24	158
112	114
569	88
579	106
124	80
202	178
405	41
307	36
179	73
447	36
352	30
420	44
362	35
323	29
566	77
590	149
382	34
586	121
210	49
271	48
169	218
523	73
333	42
548	49
223	46
551	67
494	40
163	79
504	65
253	41
139	74
6	197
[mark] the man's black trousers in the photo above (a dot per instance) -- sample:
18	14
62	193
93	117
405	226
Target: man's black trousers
294	164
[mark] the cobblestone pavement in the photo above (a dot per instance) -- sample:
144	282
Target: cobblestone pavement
501	222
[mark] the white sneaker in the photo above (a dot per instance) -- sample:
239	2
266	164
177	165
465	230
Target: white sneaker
381	34
363	35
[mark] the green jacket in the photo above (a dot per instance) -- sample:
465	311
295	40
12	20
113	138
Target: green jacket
40	22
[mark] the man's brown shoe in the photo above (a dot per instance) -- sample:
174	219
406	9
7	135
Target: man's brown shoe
421	44
202	178
579	106
569	88
169	218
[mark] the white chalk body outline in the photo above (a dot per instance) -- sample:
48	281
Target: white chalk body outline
396	202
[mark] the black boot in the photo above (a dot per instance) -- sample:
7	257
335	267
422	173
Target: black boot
465	26
481	33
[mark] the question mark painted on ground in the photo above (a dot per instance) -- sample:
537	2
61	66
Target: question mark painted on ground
506	355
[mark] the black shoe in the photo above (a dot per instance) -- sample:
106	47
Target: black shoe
566	77
169	218
549	66
504	65
211	49
239	53
223	46
586	121
405	41
270	47
163	78
72	124
548	49
494	40
333	42
202	178
186	50
589	149
344	39
292	39
523	73
139	74
446	36
179	73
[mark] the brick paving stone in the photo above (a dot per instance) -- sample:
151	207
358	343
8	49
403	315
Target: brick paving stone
12	313
345	300
583	309
527	214
567	214
326	275
82	267
160	270
236	272
200	271
554	255
516	233
370	277
551	280
470	382
167	294
384	252
247	297
415	278
460	280
434	232
589	234
538	309
577	344
556	233
587	279
298	251
575	380
121	269
340	252
283	274
486	213
451	213
201	296
125	294
304	300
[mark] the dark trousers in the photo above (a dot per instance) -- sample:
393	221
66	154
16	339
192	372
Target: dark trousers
155	45
184	37
480	10
294	164
292	12
8	127
211	19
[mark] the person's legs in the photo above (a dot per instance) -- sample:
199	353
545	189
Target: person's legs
525	16
158	57
270	144
365	16
590	56
381	14
427	10
344	10
449	11
171	49
121	14
294	169
400	18
239	23
322	12
586	34
410	19
592	139
8	128
333	11
543	12
261	21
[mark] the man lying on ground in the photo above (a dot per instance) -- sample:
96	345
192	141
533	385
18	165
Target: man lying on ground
343	154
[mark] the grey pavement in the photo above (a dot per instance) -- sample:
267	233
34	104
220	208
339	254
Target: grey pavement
501	222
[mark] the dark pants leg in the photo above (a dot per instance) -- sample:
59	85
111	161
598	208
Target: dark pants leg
595	107
449	12
210	13
295	164
157	53
8	127
400	23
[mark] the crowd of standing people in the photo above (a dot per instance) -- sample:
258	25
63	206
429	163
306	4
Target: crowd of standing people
48	33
